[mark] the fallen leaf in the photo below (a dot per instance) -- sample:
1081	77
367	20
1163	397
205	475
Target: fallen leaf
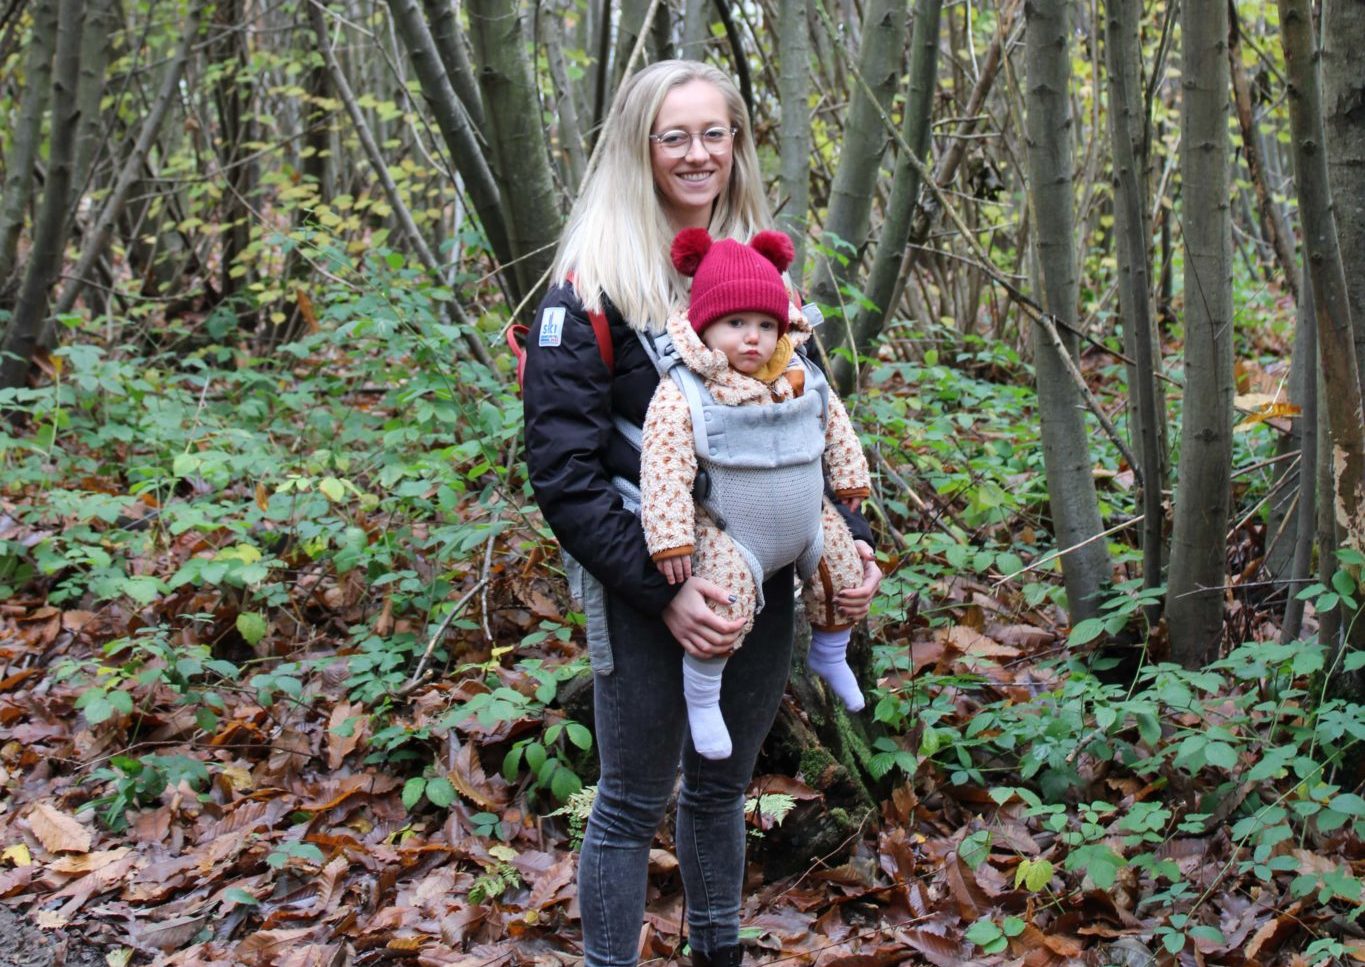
347	718
50	920
469	778
88	862
17	854
57	831
169	934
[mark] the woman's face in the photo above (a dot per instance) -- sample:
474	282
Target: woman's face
690	184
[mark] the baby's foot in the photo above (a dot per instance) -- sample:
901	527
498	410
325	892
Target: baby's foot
839	677
709	733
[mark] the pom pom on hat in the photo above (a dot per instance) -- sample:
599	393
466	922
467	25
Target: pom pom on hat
776	247
689	248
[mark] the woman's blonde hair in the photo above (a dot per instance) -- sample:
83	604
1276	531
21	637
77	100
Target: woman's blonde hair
617	239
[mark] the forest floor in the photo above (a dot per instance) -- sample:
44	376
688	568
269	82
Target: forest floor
224	738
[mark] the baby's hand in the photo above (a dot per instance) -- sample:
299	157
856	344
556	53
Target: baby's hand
854	504
676	569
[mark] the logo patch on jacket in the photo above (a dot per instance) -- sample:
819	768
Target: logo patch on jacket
552	327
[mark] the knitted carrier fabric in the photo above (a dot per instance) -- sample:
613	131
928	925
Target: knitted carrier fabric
764	465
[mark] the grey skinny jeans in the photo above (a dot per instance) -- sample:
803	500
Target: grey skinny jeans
641	735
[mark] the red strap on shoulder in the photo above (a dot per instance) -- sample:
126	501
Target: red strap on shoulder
602	330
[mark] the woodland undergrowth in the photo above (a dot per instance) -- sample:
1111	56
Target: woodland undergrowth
287	671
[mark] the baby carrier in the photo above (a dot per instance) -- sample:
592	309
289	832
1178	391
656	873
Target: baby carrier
760	478
760	472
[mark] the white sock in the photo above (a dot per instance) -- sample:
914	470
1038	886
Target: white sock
701	691
829	659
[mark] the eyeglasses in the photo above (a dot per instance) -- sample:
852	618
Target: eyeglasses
677	142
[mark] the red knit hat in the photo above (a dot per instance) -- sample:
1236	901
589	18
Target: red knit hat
729	277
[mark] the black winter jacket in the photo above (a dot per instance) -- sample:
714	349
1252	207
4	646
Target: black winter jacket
573	450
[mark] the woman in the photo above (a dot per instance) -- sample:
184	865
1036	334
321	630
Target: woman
678	154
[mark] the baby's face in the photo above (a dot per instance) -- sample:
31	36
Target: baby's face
746	338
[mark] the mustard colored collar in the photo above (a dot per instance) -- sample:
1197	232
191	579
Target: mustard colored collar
777	365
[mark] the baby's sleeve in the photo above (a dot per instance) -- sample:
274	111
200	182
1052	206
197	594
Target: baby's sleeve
668	468
845	462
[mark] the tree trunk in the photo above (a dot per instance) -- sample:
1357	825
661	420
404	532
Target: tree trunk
91	134
1336	346
794	135
1146	402
630	24
860	155
450	45
696	31
1066	447
905	187
1276	231
1194	609
517	146
50	227
1343	112
236	130
460	137
98	236
573	157
18	186
1304	520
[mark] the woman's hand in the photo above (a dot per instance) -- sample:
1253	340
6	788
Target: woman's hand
853	603
701	632
676	569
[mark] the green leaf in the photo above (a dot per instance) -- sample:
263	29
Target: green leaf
98	709
332	488
983	932
1353	661
579	736
535	756
1173	942
440	792
1350	804
1033	874
252	626
1209	933
412	792
1013	926
1085	631
237	895
564	784
1221	754
975	848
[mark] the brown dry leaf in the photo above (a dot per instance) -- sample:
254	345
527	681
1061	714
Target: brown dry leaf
971	899
784	785
927	654
969	641
18	678
936	948
1272	933
169	934
328	880
556	885
87	862
469	779
661	862
318	955
57	831
340	746
264	946
50	920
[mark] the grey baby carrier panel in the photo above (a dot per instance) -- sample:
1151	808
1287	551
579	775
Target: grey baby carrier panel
763	465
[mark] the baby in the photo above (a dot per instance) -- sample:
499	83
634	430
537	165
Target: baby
766	506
